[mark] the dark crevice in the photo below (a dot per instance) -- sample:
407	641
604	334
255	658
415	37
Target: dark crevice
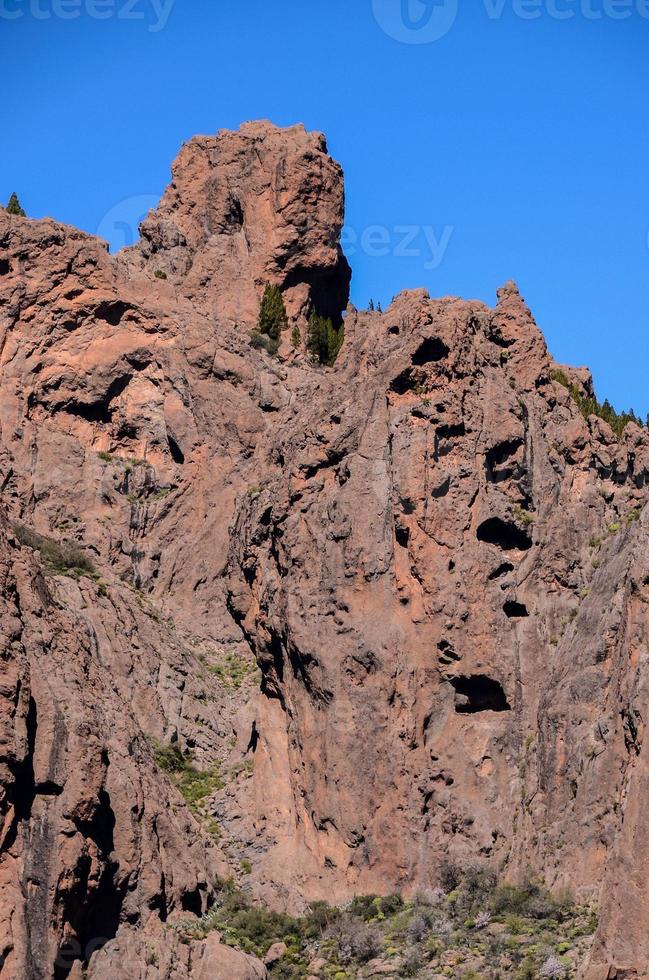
334	457
4	267
479	693
112	313
403	383
303	665
447	654
272	669
408	505
515	610
92	907
503	534
497	456
402	534
442	490
445	436
254	739
176	452
192	901
431	350
22	792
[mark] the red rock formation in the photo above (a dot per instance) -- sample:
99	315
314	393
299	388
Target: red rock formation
436	562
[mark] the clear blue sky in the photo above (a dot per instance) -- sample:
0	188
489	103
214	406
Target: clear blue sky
517	145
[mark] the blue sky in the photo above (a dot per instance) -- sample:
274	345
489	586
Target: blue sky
482	140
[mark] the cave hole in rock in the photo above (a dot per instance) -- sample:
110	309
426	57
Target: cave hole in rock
4	267
402	534
192	901
515	610
478	692
403	383
499	455
431	350
234	213
111	312
409	507
176	452
395	331
504	534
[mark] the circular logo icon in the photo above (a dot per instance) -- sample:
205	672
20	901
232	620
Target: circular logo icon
120	226
415	21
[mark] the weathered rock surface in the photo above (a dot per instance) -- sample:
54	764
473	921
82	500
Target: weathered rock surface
402	603
244	209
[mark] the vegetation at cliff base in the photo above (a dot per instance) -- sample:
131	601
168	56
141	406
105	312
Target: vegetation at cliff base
13	207
591	406
323	340
473	927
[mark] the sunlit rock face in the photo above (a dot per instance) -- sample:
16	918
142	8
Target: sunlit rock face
399	605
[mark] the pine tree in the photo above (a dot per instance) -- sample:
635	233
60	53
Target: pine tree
323	339
14	206
370	306
296	337
272	315
379	309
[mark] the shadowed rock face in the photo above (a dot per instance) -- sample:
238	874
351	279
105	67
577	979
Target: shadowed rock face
402	603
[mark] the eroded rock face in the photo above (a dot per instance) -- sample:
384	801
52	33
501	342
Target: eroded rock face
245	209
401	603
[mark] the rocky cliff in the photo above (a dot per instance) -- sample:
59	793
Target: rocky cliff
323	629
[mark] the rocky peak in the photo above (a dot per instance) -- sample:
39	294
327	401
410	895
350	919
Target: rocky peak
261	205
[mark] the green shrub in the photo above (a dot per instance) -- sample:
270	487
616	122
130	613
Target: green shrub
58	559
233	670
195	785
169	758
259	341
323	340
159	274
272	314
533	924
296	337
13	207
